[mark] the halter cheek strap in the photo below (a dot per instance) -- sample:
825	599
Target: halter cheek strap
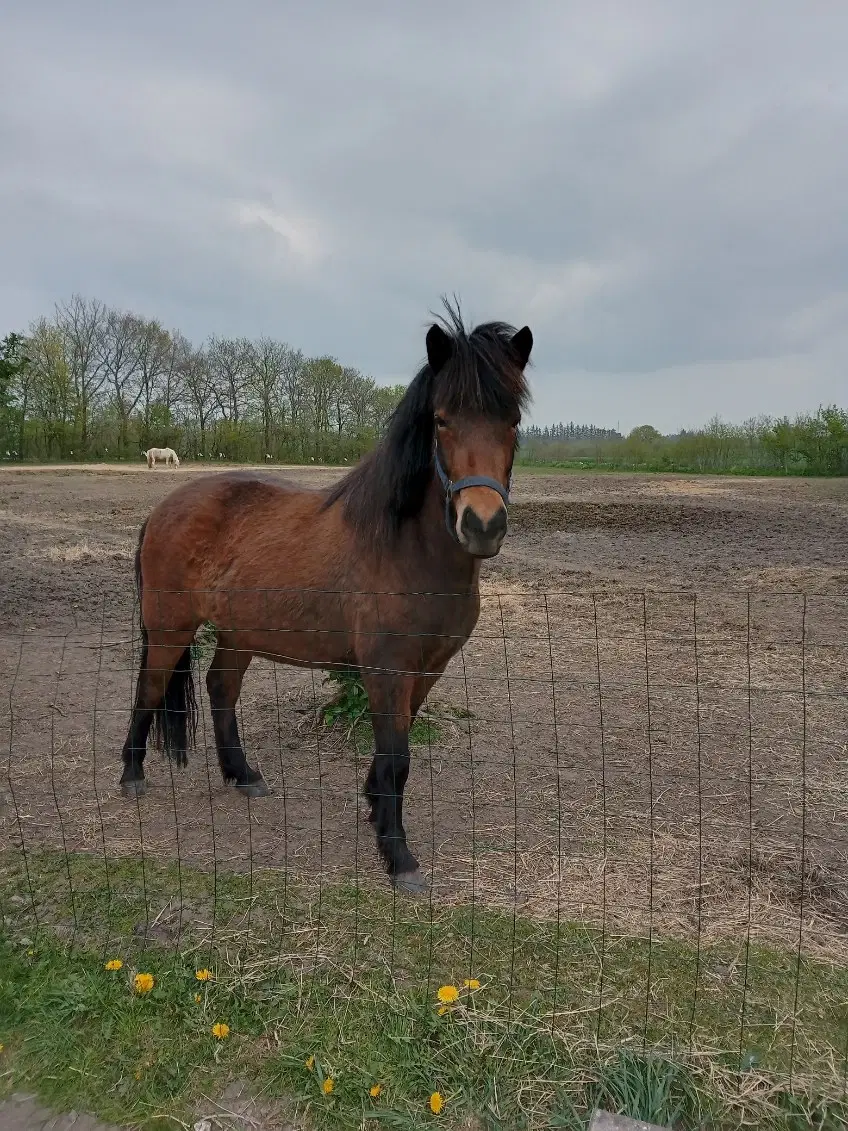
453	487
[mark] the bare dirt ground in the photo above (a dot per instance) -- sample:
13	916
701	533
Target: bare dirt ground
648	728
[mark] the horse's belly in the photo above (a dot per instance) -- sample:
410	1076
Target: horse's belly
302	648
297	627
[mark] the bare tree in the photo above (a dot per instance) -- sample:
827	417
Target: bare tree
228	360
120	344
291	392
81	323
171	385
322	376
266	364
155	352
359	396
199	390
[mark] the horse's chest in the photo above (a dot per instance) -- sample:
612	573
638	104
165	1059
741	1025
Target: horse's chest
409	630
443	634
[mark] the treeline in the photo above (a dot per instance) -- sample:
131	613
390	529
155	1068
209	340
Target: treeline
568	432
808	445
93	382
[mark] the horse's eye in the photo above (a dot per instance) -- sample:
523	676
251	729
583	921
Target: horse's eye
440	421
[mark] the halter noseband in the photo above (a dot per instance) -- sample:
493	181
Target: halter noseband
454	487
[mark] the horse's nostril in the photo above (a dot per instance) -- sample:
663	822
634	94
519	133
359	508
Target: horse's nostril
474	527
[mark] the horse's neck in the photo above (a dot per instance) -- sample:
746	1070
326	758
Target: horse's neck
440	558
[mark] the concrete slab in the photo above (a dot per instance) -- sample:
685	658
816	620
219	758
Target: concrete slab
605	1121
22	1112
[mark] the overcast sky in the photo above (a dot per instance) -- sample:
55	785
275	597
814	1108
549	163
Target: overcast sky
659	189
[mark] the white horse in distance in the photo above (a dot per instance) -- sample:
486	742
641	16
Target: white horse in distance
167	455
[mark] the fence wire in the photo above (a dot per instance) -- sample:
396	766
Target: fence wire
630	808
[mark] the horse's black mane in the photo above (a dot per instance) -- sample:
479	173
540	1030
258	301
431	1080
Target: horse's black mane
482	376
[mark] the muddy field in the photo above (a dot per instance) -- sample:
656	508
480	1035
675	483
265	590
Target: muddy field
648	728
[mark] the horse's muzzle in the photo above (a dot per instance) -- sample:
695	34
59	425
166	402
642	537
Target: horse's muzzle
482	538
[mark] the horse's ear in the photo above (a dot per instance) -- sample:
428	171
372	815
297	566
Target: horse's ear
439	348
522	343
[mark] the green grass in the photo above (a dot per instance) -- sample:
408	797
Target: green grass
350	974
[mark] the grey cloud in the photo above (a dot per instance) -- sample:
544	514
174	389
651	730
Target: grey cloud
658	189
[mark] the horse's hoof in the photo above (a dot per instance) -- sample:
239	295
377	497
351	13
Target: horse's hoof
255	788
136	788
413	883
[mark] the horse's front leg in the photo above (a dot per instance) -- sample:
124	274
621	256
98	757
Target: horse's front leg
390	700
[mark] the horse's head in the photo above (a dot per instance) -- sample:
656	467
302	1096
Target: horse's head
457	420
478	390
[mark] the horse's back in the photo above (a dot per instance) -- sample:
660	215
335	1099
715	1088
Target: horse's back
229	496
226	524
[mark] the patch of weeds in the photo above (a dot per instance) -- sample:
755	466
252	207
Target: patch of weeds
349	704
349	708
204	644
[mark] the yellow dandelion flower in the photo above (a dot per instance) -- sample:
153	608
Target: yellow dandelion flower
373	1091
310	1062
203	975
220	1031
198	998
437	1102
447	994
471	984
143	983
138	1074
113	964
328	1085
443	1009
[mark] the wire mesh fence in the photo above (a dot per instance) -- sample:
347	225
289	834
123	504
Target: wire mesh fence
630	808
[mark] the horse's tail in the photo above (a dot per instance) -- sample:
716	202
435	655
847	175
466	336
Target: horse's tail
175	719
139	591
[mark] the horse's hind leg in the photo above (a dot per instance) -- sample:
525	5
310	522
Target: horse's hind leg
158	662
223	682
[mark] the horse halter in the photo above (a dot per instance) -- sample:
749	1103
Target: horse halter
453	487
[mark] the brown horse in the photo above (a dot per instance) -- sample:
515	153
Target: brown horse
380	574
